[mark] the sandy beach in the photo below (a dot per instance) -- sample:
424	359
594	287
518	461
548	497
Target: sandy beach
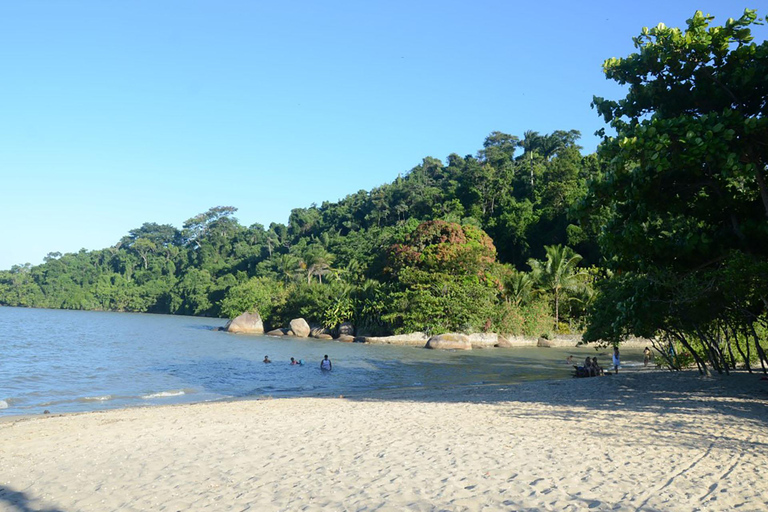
636	441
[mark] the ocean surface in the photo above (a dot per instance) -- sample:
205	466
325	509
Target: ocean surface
69	361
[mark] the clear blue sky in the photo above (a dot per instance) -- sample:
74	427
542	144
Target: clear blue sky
113	114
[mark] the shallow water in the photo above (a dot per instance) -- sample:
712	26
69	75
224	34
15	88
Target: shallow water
67	361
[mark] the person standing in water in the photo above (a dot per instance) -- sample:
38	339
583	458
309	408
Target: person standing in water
326	364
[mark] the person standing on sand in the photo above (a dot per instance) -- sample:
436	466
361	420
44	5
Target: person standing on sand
326	364
616	360
646	356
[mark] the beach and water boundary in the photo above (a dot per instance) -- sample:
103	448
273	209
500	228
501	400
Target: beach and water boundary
645	440
459	438
74	361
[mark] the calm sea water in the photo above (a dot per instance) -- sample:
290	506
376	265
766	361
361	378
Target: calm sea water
66	361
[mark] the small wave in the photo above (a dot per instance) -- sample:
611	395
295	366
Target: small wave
165	394
95	398
3	404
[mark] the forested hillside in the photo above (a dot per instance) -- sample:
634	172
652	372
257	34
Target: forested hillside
444	247
663	233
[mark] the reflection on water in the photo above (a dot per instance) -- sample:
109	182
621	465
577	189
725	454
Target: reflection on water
68	361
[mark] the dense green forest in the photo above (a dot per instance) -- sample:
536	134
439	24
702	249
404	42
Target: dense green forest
663	233
444	247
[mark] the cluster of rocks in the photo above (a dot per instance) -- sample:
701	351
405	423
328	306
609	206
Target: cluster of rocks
251	323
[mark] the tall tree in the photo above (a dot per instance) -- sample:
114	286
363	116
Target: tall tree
557	274
685	185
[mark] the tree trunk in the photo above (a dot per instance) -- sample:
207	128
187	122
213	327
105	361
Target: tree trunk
738	349
760	351
699	361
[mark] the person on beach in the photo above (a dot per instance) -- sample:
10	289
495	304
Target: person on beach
597	367
569	360
266	359
293	361
616	360
646	356
326	364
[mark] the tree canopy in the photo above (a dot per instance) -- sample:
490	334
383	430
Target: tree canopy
683	205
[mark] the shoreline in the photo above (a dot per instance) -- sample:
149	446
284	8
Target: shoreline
645	440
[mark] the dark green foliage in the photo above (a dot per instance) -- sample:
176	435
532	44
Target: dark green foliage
684	204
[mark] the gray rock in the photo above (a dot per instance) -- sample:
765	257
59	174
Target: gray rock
300	327
347	328
483	339
346	338
450	341
324	336
412	339
276	332
316	332
247	323
543	342
503	342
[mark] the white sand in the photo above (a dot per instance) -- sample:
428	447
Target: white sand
643	441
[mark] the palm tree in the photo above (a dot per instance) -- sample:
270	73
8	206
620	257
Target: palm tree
316	261
518	288
531	143
557	274
285	265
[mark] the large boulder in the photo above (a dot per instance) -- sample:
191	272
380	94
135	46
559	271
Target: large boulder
450	341
319	332
483	339
247	323
544	342
346	338
412	339
300	327
347	328
502	342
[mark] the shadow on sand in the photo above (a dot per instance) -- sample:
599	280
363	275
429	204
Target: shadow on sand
20	501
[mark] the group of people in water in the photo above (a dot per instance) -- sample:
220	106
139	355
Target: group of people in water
325	364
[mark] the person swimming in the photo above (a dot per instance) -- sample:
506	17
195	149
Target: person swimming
326	364
293	361
266	359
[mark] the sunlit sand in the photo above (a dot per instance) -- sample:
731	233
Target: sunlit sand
641	441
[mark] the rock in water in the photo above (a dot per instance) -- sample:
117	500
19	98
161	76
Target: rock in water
450	341
300	327
347	328
543	342
247	323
